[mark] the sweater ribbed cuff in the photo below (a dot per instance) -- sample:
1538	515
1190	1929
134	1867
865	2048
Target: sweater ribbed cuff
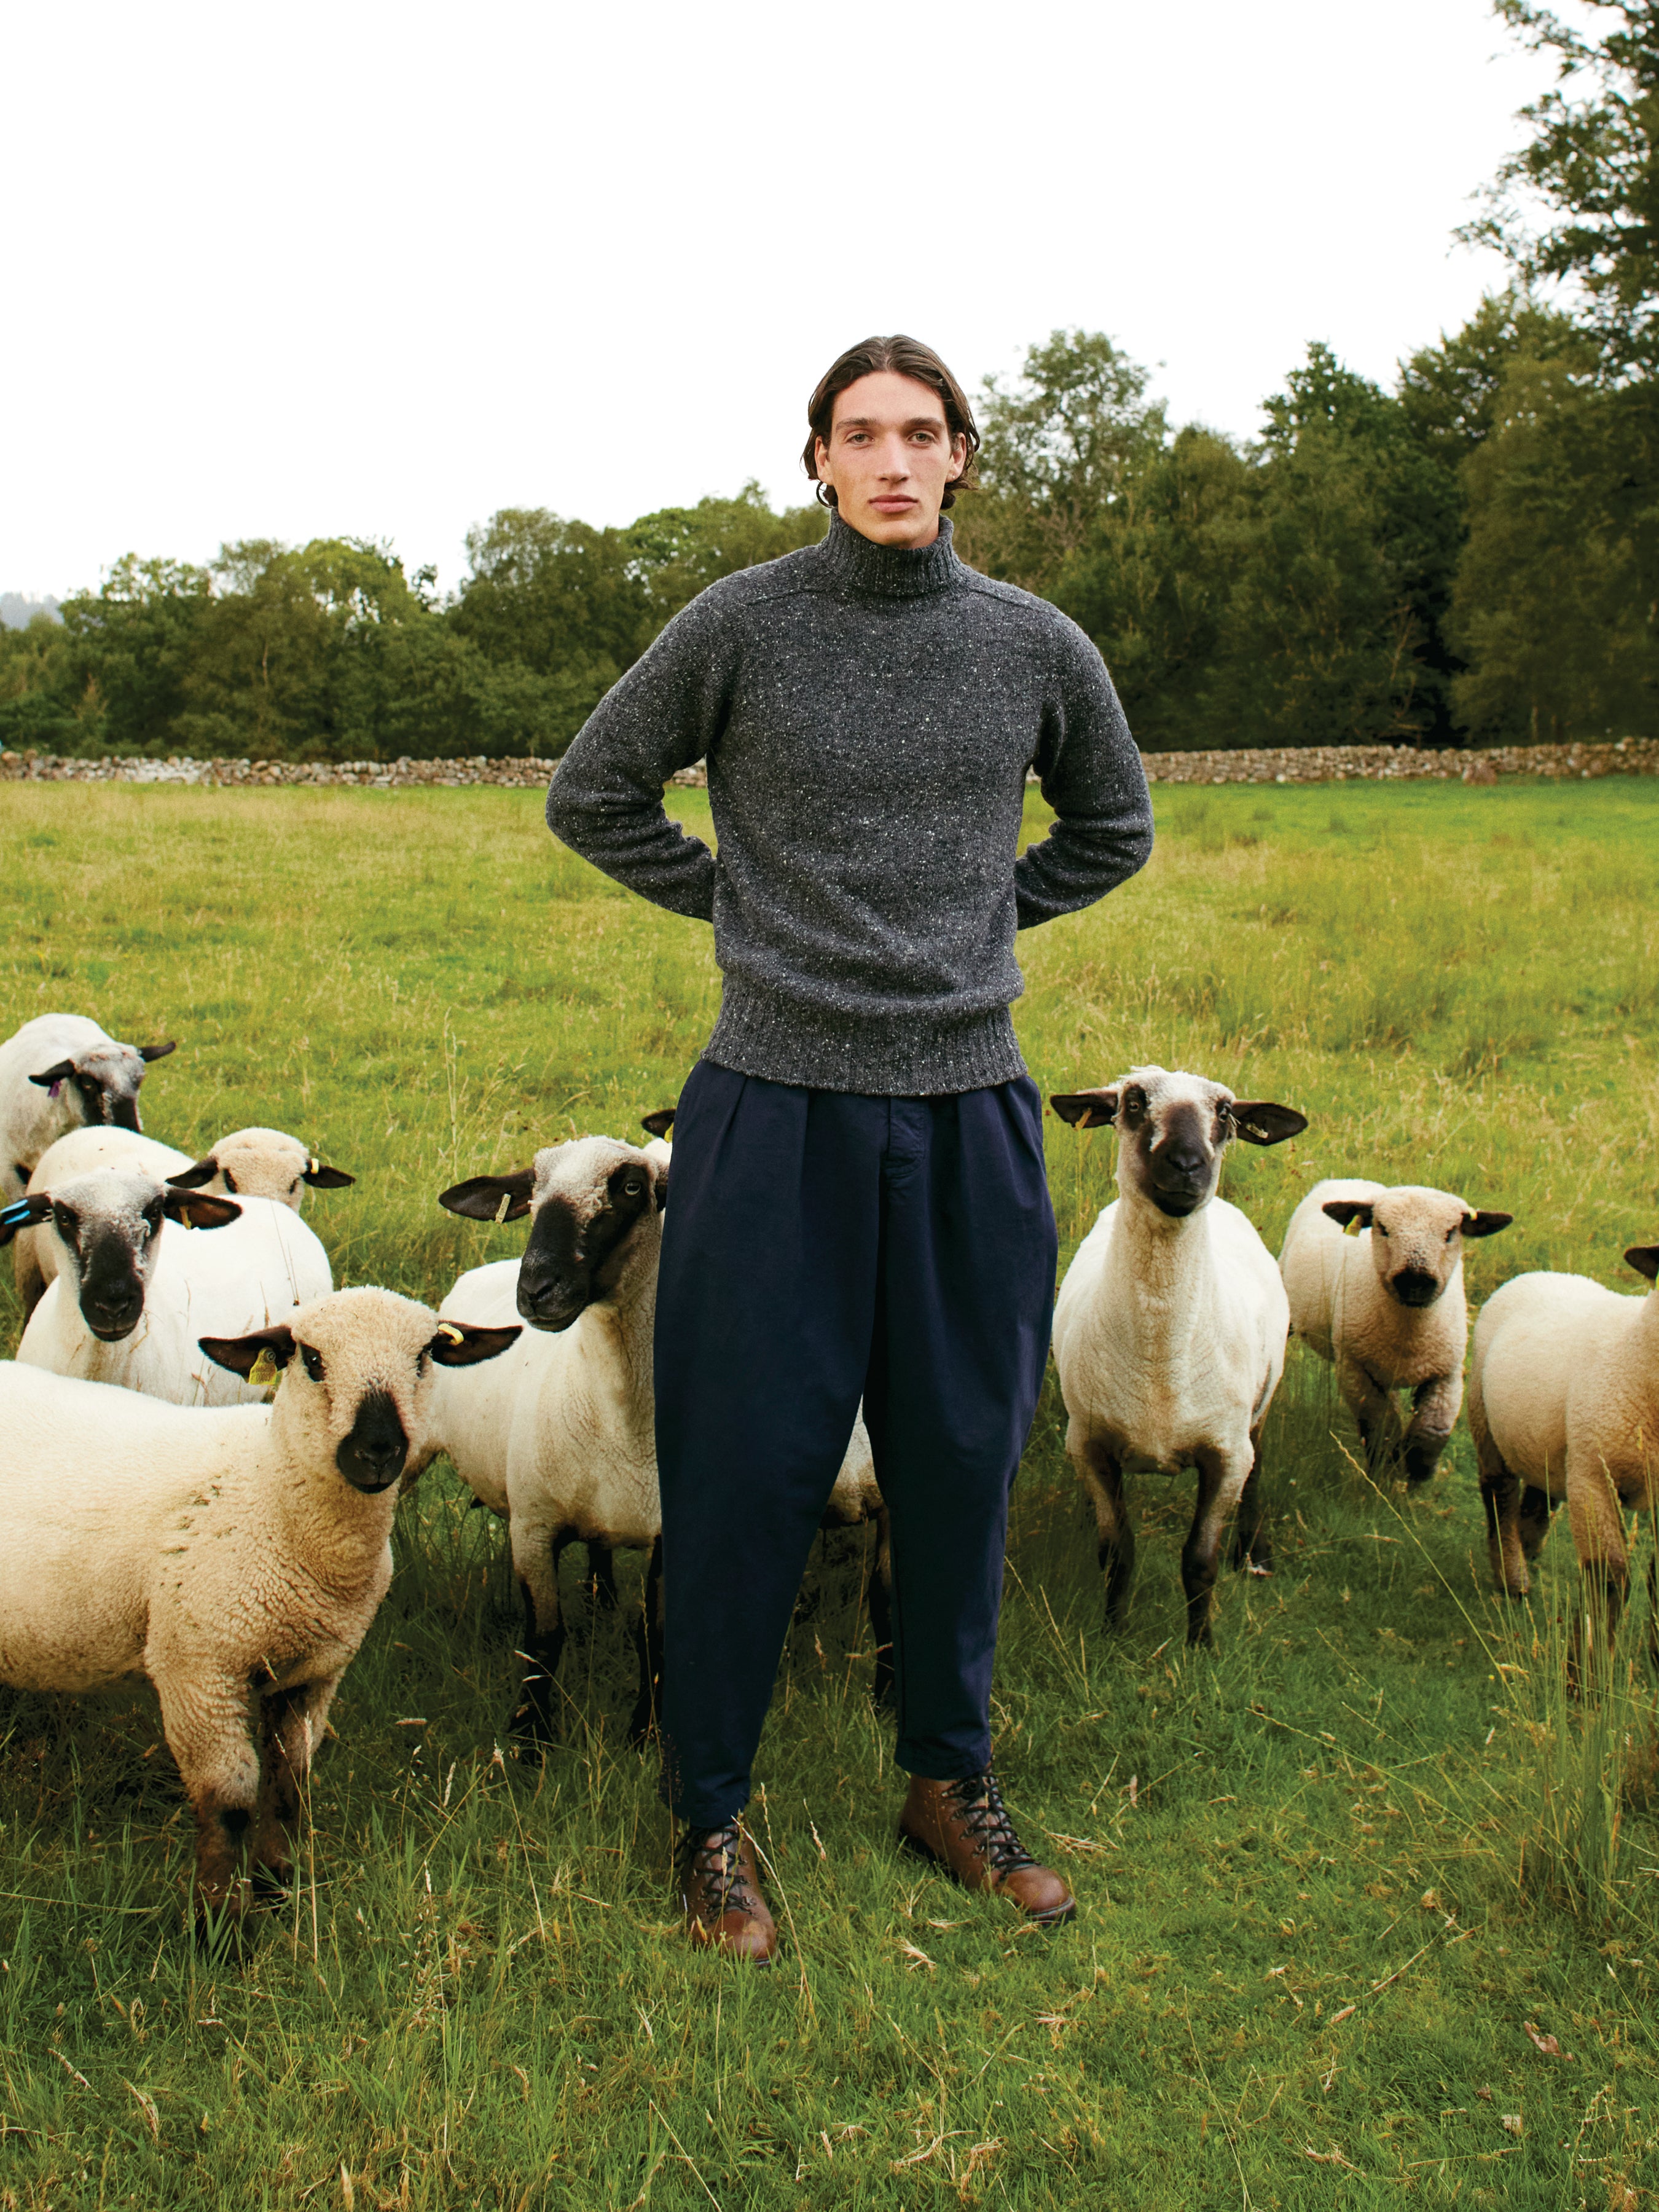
879	1055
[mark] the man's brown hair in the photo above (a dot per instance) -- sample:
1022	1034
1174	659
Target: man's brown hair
902	356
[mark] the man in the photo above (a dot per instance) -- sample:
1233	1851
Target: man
859	1208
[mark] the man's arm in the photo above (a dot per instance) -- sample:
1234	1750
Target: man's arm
1091	773
605	798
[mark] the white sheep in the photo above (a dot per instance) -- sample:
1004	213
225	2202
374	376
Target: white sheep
1386	1306
128	1304
58	1071
1171	1324
235	1557
255	1162
1563	1399
559	1438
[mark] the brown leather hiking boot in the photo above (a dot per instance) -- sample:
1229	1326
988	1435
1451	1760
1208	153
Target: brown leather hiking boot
720	1894
963	1827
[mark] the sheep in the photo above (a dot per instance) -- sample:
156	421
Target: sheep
128	1304
1387	1306
1171	1324
560	1438
1563	1399
235	1557
55	1072
255	1162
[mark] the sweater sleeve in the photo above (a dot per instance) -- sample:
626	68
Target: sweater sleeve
605	798
1091	773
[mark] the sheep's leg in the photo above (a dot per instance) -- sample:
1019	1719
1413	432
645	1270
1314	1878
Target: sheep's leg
536	1553
1598	1533
1434	1412
1220	1485
1533	1520
1253	1546
881	1613
290	1728
648	1640
602	1576
1103	1477
208	1731
1500	1493
1373	1409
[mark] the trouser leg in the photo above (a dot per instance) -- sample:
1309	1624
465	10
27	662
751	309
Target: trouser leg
765	1307
966	1296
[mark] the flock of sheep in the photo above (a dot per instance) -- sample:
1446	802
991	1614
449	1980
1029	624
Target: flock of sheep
232	1539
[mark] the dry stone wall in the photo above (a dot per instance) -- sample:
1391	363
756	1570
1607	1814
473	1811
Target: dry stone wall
1300	764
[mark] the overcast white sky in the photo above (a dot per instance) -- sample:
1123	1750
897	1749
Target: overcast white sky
371	270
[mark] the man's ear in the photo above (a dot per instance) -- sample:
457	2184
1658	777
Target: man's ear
492	1198
24	1213
322	1178
459	1344
1485	1224
1346	1209
242	1354
1085	1110
1259	1121
1644	1258
197	1210
660	1122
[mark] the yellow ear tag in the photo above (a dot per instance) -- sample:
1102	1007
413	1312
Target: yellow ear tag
313	1165
448	1329
504	1208
264	1370
1350	1226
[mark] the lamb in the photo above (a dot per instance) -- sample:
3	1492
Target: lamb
55	1072
127	1303
560	1438
256	1162
1564	1399
236	1558
1171	1324
1387	1306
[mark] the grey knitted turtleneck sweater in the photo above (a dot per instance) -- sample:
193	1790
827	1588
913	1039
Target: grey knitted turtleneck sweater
868	713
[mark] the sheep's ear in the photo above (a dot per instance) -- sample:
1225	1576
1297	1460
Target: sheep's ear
492	1198
1348	1210
1259	1121
242	1354
192	1177
61	1073
458	1343
322	1178
1085	1110
659	1123
1485	1224
158	1051
24	1213
1644	1258
198	1211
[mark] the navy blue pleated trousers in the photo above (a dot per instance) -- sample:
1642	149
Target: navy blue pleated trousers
820	1247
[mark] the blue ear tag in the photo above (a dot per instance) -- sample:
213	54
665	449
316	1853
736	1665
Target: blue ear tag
18	1215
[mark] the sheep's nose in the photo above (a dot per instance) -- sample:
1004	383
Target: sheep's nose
1415	1286
371	1455
1177	1164
110	1319
124	1114
551	1302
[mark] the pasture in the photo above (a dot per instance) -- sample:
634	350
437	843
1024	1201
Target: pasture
1338	1879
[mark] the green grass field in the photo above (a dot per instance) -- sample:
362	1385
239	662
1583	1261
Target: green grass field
1326	1875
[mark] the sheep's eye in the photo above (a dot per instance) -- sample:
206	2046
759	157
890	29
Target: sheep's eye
1380	1230
1451	1232
633	1187
65	1219
230	1181
314	1362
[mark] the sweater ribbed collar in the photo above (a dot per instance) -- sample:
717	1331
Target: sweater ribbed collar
897	572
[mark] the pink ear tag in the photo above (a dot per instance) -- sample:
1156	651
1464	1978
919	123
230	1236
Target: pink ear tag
53	1089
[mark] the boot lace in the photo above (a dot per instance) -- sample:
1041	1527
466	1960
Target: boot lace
711	1859
976	1802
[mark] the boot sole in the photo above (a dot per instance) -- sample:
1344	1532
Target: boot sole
917	1849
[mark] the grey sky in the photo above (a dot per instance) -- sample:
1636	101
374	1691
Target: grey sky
305	270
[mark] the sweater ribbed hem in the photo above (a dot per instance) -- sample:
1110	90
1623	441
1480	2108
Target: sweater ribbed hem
890	572
879	1056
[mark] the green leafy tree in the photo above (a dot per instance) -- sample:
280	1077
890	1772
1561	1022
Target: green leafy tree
132	646
680	550
38	691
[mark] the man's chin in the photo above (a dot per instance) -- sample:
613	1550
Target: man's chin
916	527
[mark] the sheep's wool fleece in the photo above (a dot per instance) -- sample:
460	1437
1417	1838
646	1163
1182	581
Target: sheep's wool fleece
868	713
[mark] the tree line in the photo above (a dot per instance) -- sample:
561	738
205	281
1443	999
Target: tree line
1471	555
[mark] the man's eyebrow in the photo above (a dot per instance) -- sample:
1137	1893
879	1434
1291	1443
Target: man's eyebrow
874	423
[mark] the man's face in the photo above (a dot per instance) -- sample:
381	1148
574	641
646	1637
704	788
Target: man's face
889	458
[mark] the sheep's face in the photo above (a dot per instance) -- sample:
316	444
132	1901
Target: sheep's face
357	1373
1173	1130
108	1225
261	1164
1416	1237
104	1082
593	1201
